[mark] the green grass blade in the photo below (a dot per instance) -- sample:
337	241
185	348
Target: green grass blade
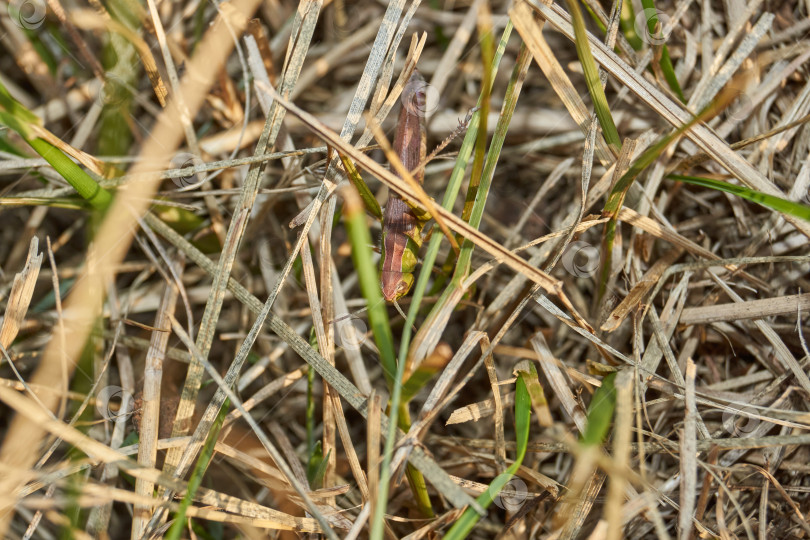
14	115
653	27
481	138
595	89
360	239
416	480
195	481
669	74
595	18
121	71
523	417
616	196
450	196
82	182
314	462
316	466
536	393
419	378
19	118
24	122
619	190
365	193
600	412
523	411
55	202
628	24
309	420
477	212
768	201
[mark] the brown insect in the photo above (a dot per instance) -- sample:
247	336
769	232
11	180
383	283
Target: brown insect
403	222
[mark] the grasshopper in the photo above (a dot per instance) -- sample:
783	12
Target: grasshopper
403	221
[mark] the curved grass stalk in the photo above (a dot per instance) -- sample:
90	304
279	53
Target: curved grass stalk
523	412
779	204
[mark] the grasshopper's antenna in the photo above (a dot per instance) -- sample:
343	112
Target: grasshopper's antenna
399	309
353	334
405	317
347	316
352	314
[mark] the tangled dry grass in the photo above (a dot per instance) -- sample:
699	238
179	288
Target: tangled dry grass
190	347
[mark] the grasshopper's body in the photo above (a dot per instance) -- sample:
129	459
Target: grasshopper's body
402	223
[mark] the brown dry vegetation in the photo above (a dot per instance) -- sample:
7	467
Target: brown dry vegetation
120	325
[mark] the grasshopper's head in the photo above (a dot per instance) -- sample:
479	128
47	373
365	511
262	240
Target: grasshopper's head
414	95
395	284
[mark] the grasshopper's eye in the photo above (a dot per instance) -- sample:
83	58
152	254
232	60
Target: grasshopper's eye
404	285
419	97
400	290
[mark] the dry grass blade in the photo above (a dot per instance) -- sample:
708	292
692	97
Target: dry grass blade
289	472
751	309
640	289
90	20
780	349
665	233
689	451
266	392
373	450
432	404
549	366
716	79
476	411
150	404
531	32
621	453
22	289
500	441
